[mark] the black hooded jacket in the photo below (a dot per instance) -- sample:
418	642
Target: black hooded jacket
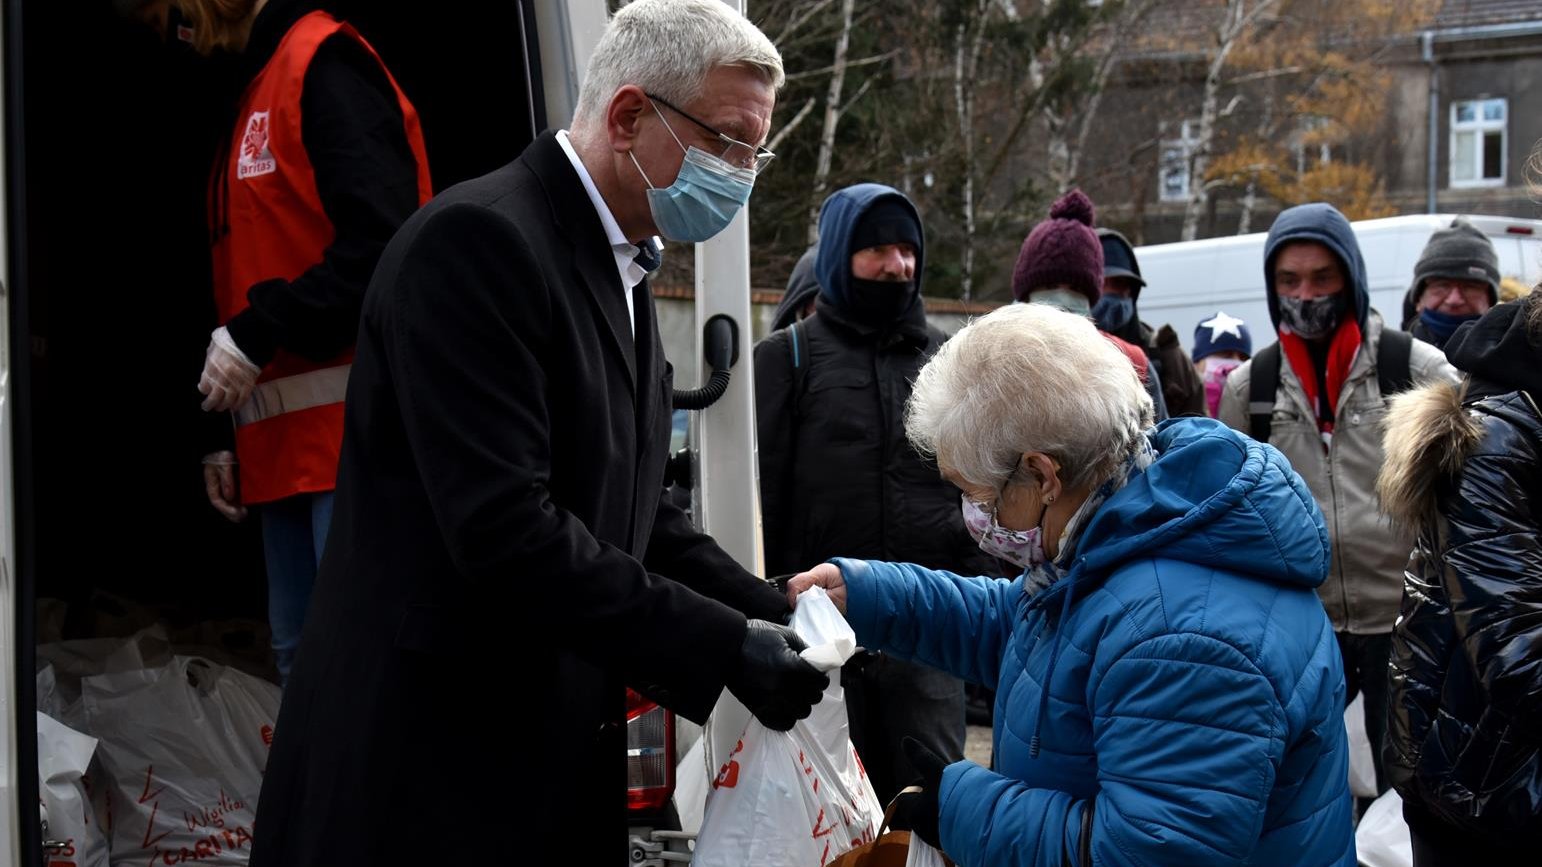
802	286
838	477
1464	744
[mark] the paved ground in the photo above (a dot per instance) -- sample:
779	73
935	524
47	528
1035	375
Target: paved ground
977	745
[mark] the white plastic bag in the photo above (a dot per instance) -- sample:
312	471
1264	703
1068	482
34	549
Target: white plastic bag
63	756
921	854
185	746
1381	838
64	664
1362	769
798	798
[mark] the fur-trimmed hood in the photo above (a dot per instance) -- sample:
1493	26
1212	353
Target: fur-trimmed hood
1429	436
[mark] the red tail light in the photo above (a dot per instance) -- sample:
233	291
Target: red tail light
650	754
1518	230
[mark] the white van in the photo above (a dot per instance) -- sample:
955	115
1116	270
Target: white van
1187	282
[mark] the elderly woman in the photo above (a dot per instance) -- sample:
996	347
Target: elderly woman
1168	689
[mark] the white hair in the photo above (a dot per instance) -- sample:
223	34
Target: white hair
1028	378
667	47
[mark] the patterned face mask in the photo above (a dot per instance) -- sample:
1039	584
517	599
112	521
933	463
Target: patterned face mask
1023	547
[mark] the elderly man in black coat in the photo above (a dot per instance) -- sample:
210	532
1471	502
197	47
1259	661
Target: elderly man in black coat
502	564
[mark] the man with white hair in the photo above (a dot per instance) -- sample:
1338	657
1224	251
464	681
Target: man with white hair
502	564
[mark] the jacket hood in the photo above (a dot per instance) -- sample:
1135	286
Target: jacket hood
1429	436
1322	223
1214	498
1498	351
802	286
837	220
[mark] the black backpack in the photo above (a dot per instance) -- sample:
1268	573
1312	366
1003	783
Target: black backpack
1393	360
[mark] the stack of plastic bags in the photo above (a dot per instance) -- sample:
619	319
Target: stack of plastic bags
146	757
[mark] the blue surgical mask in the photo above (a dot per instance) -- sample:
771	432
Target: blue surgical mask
704	198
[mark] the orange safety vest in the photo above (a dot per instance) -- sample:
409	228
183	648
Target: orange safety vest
290	433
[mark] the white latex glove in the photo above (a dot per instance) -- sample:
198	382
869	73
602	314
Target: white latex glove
228	375
219	482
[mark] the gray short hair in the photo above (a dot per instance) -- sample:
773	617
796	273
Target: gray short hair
1028	377
667	47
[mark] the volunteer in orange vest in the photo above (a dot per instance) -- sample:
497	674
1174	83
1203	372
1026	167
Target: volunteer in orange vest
324	163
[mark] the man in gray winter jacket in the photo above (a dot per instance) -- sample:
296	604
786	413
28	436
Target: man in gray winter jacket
1326	416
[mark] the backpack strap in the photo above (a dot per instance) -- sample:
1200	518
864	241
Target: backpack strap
1262	387
1394	362
799	365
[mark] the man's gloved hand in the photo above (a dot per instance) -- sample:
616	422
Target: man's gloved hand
219	482
917	812
777	686
228	375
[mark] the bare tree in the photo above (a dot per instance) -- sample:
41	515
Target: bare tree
968	40
1070	126
1239	18
833	112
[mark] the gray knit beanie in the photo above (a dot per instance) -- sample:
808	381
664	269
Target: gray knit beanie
1460	252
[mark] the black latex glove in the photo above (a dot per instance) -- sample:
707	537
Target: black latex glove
917	812
777	686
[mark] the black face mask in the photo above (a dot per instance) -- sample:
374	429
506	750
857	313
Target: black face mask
1314	319
878	302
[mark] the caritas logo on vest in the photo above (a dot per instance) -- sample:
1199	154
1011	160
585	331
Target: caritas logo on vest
255	158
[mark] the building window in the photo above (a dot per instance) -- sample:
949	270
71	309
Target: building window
1311	144
1177	162
1478	140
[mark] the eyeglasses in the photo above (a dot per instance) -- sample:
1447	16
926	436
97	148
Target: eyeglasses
735	152
1441	288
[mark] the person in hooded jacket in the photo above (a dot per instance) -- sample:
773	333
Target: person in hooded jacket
798	301
1168	689
1326	416
1456	280
1117	312
837	474
1464	745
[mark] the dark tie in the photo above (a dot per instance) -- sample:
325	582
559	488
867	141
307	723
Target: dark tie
648	256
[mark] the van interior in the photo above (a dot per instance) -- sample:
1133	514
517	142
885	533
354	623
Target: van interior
110	134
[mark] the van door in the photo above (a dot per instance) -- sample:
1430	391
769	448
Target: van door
107	305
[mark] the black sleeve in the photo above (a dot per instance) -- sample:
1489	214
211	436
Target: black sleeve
774	428
367	177
678	551
465	320
1182	389
1153	386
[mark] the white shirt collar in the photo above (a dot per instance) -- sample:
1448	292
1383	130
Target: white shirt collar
625	251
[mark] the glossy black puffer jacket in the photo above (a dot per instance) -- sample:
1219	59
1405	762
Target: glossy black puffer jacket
1464	738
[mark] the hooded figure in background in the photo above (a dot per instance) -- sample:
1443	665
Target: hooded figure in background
1117	312
837	475
1456	280
802	288
1326	415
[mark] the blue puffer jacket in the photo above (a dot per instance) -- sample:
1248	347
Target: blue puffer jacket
1194	713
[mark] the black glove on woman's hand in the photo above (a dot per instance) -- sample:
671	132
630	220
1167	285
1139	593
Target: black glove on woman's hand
917	812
